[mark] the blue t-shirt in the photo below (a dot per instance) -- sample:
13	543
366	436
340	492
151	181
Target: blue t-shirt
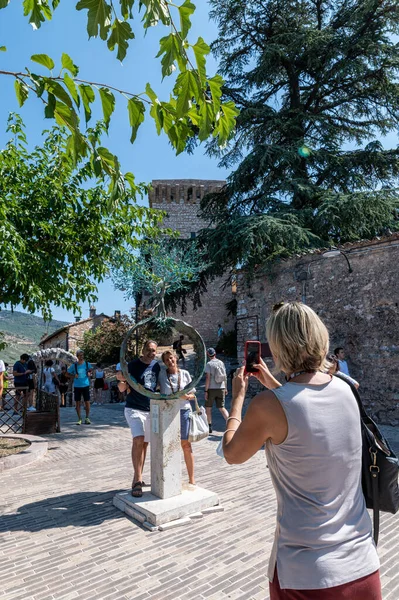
21	380
145	375
82	380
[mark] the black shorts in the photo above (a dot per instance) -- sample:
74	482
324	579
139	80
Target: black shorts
82	392
99	383
31	384
63	388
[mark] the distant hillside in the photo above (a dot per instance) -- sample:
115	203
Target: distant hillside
23	332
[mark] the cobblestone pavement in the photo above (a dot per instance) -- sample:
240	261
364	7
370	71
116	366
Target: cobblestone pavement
62	539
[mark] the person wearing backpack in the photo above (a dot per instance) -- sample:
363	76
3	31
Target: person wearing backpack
81	372
215	386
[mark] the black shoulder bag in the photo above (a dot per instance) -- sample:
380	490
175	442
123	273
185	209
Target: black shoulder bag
380	467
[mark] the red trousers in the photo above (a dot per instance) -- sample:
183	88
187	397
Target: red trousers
365	588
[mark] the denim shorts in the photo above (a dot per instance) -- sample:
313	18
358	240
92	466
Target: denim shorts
185	423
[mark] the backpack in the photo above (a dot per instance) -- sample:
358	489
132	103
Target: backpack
380	467
87	369
219	372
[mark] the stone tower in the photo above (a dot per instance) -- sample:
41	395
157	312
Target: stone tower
180	199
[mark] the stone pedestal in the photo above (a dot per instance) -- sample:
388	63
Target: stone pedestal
165	448
168	505
154	513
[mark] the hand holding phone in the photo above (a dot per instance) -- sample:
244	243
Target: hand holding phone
252	356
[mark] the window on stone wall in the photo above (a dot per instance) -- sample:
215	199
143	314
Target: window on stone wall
198	194
189	194
193	235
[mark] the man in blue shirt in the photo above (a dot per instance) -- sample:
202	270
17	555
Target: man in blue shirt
343	365
81	372
145	370
21	380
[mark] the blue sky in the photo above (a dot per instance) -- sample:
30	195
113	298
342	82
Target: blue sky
150	157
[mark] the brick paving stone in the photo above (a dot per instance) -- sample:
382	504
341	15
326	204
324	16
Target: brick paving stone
61	538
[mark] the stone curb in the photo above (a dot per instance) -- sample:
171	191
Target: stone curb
36	450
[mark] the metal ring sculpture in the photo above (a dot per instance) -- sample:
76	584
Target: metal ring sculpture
181	327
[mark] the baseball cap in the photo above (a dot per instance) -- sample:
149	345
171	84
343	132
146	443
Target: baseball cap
211	351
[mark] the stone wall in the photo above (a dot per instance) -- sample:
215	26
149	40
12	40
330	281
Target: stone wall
71	338
59	340
360	310
181	198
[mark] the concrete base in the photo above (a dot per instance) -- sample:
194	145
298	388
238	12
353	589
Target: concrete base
157	512
38	448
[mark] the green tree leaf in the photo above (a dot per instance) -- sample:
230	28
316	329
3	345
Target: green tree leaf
38	10
88	96
50	107
136	115
72	88
201	49
186	89
21	91
98	17
126	9
4	3
43	59
67	63
121	32
157	114
207	119
66	116
151	94
57	90
155	11
171	52
3	49
215	85
226	122
185	12
107	102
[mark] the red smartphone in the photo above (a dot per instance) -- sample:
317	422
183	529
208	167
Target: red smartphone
252	355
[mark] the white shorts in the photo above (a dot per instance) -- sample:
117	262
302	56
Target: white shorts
139	422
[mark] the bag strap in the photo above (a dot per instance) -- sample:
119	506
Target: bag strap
374	469
197	407
375	472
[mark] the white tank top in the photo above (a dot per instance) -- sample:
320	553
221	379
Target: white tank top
323	534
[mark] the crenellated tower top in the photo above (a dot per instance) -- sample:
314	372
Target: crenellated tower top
181	191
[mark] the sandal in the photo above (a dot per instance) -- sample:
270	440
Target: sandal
137	490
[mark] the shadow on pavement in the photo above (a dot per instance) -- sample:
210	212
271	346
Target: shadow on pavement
82	509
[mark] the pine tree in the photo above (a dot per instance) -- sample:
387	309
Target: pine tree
317	84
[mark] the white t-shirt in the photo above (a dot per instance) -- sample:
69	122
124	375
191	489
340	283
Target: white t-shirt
2	366
48	374
166	388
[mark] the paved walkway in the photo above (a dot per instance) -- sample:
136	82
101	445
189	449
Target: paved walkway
62	539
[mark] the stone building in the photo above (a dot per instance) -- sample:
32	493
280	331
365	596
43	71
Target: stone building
360	309
70	337
180	199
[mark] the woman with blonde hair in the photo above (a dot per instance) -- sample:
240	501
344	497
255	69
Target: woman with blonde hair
323	547
171	380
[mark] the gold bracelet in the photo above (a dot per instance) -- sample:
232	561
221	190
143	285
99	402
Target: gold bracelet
235	418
